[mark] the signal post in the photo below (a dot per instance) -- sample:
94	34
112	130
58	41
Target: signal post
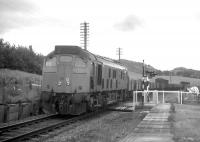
146	75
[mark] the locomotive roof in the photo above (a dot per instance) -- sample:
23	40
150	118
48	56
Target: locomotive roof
110	62
71	49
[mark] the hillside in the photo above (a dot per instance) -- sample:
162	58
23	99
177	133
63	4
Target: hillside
186	72
181	71
174	76
136	67
178	79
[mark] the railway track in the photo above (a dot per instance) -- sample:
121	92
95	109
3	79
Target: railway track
29	129
16	131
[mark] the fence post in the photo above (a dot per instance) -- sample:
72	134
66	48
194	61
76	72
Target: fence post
163	97
136	97
144	95
181	98
157	97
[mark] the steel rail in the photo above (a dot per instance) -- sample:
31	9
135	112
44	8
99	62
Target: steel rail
27	122
50	127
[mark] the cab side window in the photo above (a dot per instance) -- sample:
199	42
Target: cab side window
99	74
109	73
79	63
114	73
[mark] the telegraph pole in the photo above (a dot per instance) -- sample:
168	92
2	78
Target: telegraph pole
84	34
119	52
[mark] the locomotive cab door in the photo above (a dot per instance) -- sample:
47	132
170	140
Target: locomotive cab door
92	78
99	76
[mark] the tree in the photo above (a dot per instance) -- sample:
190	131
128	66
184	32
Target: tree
20	58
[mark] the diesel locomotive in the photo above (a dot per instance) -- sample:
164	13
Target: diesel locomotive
76	81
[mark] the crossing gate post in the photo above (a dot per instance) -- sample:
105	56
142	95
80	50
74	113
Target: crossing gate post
136	97
144	95
157	97
133	97
181	97
163	97
134	103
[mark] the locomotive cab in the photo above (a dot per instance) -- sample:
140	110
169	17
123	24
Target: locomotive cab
65	74
66	80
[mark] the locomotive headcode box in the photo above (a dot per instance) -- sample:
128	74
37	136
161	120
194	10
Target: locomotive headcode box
61	49
74	50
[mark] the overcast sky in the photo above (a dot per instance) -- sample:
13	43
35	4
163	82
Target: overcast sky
165	33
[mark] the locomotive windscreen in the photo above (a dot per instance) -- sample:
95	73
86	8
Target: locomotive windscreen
51	62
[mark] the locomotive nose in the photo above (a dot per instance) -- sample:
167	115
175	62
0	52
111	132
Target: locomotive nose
64	78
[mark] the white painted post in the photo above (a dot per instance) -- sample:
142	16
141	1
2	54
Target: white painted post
133	98
181	97
157	97
144	95
178	96
154	97
163	97
136	97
